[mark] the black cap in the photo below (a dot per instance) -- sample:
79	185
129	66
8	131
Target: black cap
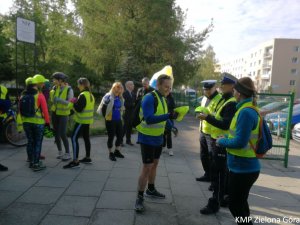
227	78
59	76
208	84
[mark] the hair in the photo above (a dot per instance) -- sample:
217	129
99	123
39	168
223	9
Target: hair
116	85
86	84
246	87
162	78
145	79
128	82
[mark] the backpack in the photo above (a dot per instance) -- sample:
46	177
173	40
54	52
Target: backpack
27	105
265	141
136	120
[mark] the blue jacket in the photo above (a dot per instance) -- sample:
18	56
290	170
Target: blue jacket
246	122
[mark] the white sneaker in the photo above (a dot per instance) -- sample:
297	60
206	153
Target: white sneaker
66	157
60	154
171	153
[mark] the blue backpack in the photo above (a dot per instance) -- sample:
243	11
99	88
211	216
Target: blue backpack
27	105
265	141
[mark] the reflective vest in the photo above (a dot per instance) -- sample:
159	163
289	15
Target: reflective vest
3	93
61	109
215	131
38	117
51	97
205	127
247	151
87	114
156	129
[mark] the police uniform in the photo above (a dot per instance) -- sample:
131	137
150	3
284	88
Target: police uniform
211	103
220	123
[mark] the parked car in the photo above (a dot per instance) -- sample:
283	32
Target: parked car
296	132
272	107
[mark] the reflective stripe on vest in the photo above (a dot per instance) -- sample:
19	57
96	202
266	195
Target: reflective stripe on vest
3	91
38	117
156	129
215	131
247	151
87	115
62	109
204	125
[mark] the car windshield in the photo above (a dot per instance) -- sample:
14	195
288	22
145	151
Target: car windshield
296	108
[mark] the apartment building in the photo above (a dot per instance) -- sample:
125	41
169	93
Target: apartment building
273	66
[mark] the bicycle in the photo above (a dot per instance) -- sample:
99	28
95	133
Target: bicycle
11	133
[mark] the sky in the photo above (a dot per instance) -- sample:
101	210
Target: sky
239	25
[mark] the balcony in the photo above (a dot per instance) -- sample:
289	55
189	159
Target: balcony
267	55
267	66
265	76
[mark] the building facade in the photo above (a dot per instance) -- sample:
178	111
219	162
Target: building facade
273	66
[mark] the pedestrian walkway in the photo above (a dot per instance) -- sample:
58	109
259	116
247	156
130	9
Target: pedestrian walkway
104	192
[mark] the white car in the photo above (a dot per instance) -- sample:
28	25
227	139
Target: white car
296	132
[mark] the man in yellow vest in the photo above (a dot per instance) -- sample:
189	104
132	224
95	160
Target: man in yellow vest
220	123
153	114
211	101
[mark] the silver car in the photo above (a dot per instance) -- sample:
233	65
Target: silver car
296	132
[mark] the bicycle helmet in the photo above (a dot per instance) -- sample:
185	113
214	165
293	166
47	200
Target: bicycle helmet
40	78
59	76
49	132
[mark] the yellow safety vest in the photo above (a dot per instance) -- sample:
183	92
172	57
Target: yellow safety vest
51	97
87	115
62	109
38	117
205	127
215	131
3	93
247	151
156	129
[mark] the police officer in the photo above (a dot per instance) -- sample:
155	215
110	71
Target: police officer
210	101
220	123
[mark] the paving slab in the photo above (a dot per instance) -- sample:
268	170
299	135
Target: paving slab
117	200
8	197
85	188
64	220
112	217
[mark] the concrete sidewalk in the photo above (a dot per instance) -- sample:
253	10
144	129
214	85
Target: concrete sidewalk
105	192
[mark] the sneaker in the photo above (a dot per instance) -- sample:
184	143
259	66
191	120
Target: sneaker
86	160
41	165
118	154
211	207
60	155
30	165
3	168
129	143
139	204
171	153
72	165
154	194
66	157
203	179
37	167
112	156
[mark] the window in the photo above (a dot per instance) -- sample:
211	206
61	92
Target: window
294	71
259	62
295	60
292	82
297	49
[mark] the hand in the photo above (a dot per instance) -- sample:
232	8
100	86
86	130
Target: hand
218	139
73	100
202	116
173	115
55	99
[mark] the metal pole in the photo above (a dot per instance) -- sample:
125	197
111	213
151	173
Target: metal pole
288	130
17	64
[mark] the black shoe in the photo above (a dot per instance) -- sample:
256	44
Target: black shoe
139	204
211	188
30	165
72	165
203	179
3	168
86	160
154	194
224	202
211	208
118	154
112	156
129	143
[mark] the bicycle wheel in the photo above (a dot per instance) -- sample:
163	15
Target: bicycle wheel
13	136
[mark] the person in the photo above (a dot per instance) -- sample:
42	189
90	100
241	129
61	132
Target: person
144	90
244	166
111	107
5	104
129	103
150	137
211	101
169	125
34	125
220	122
60	97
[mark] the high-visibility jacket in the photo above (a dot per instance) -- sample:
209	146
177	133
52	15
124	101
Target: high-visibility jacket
215	131
205	127
61	109
156	129
87	114
51	97
247	151
38	117
3	93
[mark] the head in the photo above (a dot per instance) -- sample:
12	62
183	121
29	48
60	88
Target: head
40	79
129	85
31	83
227	83
145	82
59	79
164	85
244	88
209	87
83	84
117	89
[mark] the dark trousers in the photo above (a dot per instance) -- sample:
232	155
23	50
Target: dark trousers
167	139
60	126
239	188
218	171
114	128
127	128
84	130
206	153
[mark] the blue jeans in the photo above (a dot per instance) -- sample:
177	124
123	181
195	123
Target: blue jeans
34	134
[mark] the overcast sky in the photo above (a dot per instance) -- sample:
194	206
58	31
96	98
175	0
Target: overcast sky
239	24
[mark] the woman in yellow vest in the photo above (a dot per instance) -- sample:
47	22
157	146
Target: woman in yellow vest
60	97
83	107
242	163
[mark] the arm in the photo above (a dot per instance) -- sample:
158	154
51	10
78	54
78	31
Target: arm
43	105
148	111
80	104
69	96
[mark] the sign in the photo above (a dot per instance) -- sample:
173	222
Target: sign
25	30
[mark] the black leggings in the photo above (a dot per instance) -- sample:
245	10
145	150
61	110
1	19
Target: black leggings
239	188
84	130
114	128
